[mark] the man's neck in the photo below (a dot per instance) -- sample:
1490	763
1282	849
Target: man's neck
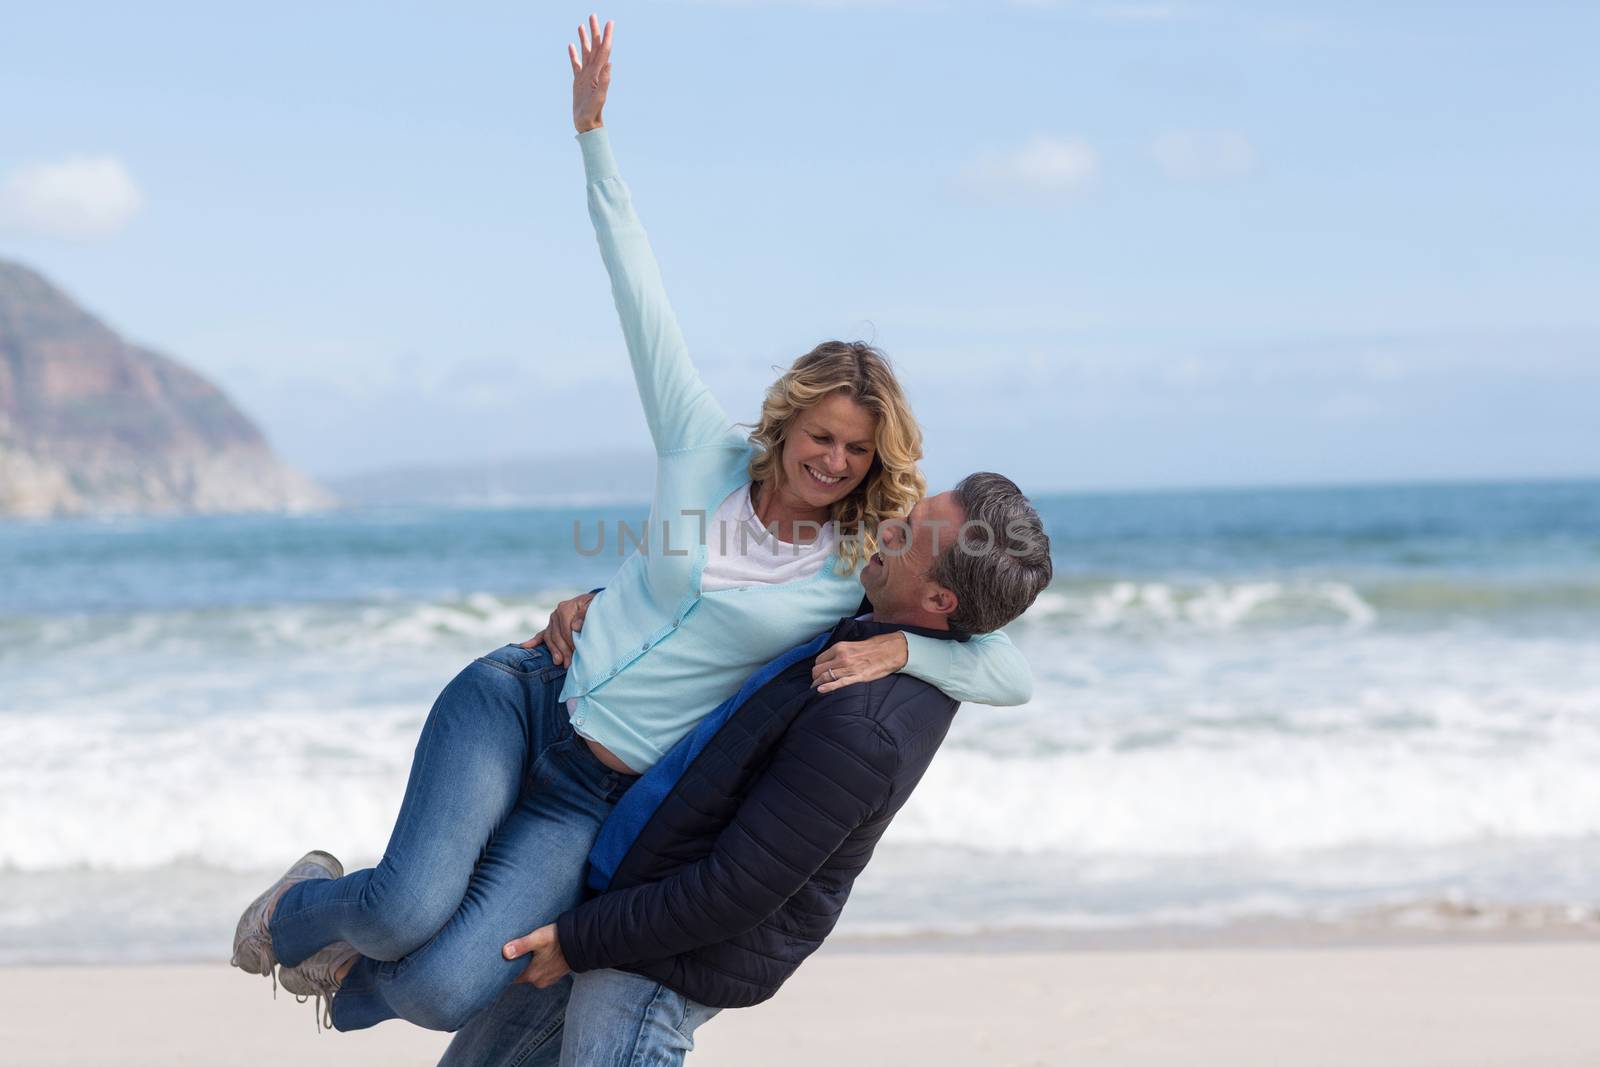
927	620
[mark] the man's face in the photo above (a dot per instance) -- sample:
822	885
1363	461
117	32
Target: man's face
896	577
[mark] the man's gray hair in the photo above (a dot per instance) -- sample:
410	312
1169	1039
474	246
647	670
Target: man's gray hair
1001	560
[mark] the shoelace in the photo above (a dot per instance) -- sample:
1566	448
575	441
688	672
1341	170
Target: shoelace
324	979
324	1009
272	972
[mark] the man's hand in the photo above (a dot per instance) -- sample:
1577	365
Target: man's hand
559	634
547	965
591	74
849	662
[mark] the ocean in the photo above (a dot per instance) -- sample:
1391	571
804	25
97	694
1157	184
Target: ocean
1302	704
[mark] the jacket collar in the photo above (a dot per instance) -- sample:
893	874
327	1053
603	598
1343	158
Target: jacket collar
851	629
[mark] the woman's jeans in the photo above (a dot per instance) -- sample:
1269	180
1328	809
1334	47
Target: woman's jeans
502	807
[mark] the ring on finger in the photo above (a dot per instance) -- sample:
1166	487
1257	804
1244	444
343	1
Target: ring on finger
831	676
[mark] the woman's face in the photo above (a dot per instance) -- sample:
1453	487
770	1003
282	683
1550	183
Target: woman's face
829	450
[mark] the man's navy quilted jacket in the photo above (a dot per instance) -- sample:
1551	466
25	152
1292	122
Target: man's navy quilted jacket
727	863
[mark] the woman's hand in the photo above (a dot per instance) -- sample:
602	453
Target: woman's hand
559	634
591	74
849	662
548	963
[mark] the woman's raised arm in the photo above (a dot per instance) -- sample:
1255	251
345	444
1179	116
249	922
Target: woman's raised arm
678	407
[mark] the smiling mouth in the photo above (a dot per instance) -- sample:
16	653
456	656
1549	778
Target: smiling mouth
822	479
876	557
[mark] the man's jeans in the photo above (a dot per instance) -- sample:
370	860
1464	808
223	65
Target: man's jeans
611	1019
502	807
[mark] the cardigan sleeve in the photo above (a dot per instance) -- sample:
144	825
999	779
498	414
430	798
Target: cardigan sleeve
678	407
986	669
834	770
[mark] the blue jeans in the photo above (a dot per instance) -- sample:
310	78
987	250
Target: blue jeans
597	1019
503	804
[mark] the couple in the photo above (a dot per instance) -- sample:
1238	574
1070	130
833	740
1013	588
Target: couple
677	802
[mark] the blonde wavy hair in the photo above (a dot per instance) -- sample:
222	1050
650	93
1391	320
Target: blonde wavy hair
893	482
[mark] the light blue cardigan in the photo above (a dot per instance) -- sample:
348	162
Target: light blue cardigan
656	654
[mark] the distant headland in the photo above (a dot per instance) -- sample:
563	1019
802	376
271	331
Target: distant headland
90	424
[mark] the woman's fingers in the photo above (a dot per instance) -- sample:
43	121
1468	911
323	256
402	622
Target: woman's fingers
840	680
565	621
591	72
535	641
850	662
829	661
568	618
594	44
597	42
562	635
843	667
560	647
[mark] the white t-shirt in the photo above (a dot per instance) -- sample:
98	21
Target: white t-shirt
740	551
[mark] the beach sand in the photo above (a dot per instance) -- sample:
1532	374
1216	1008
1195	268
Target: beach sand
1468	1002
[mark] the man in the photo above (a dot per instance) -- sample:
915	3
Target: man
728	863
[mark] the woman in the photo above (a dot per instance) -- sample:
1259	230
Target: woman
524	753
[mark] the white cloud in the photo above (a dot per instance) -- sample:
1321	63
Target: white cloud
78	198
1204	155
1045	164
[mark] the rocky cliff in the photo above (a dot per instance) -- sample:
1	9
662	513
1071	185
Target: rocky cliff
90	424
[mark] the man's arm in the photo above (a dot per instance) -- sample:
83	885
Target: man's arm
833	770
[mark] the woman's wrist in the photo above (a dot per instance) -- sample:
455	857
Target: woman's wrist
593	126
895	650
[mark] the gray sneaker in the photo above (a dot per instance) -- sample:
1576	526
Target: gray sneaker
317	976
252	943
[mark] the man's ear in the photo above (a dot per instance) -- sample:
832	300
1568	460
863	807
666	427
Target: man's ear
939	600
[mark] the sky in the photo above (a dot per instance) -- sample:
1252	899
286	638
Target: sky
1106	244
